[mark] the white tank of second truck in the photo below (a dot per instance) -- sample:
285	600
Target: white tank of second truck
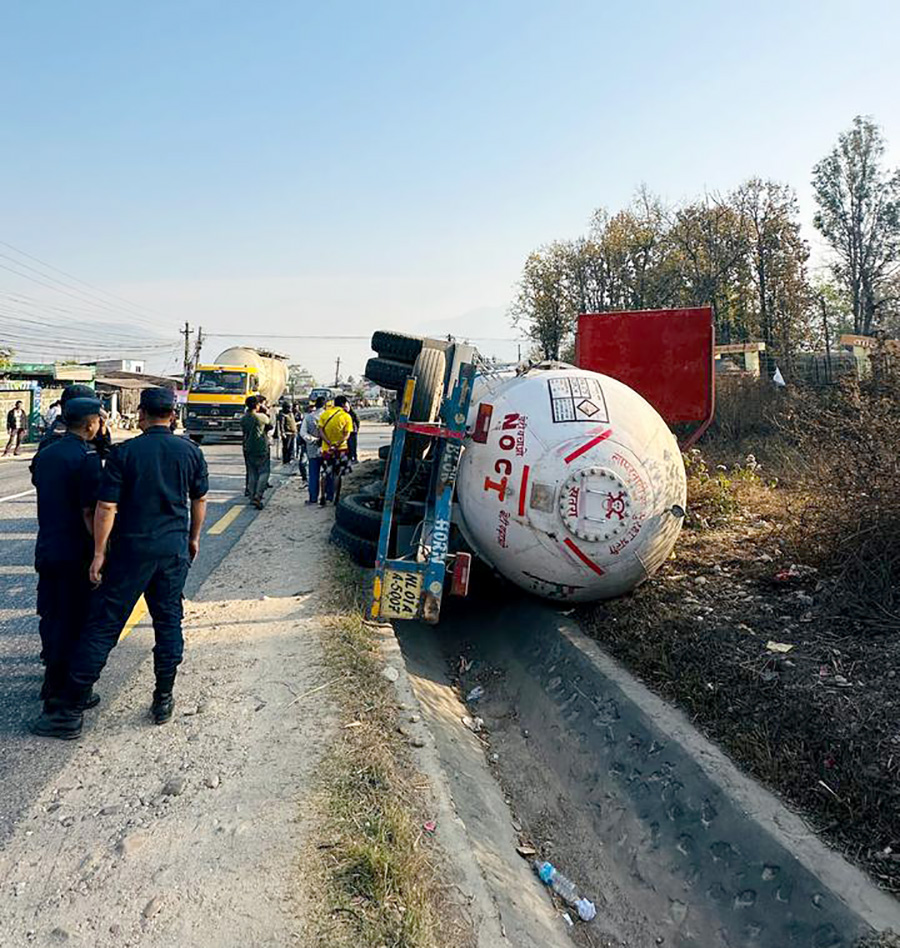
272	371
577	490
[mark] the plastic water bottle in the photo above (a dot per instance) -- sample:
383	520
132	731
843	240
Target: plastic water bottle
565	888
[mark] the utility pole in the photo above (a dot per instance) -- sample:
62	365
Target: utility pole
186	332
337	370
198	345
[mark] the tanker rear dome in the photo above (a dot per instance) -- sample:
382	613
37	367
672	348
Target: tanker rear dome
578	491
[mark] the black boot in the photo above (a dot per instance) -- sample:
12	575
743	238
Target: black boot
62	716
162	707
91	701
54	686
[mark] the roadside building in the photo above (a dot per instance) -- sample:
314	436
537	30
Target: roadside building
120	391
37	385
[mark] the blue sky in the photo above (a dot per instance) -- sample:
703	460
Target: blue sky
300	168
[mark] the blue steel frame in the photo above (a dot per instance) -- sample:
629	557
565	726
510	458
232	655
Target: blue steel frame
447	437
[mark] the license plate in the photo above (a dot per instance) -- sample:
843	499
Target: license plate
401	594
213	424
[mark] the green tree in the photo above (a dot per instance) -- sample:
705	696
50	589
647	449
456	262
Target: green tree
712	246
543	305
859	216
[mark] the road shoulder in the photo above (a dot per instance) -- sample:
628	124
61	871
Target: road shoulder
189	833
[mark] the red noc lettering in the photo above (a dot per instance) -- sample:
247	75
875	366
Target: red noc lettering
511	421
499	486
503	466
507	442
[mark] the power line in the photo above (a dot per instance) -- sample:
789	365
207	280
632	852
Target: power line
17	320
59	289
37	307
271	335
43	263
19	340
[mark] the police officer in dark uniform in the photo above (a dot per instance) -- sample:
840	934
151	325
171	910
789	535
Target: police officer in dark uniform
102	440
151	507
67	478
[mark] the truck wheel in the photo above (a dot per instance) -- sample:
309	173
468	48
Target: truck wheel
403	348
196	438
396	345
429	374
360	515
387	373
361	551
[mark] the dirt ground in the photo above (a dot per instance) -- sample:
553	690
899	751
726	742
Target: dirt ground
188	834
740	636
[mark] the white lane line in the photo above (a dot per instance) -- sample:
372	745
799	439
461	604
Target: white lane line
17	537
24	493
16	570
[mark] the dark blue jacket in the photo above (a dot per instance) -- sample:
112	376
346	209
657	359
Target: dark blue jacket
153	478
66	475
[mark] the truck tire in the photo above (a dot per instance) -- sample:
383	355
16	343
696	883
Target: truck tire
397	345
403	348
384	452
429	372
387	373
360	550
360	515
196	438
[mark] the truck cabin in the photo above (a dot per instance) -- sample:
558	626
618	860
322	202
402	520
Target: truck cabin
227	380
216	400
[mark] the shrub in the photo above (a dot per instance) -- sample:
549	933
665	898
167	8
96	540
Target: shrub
848	458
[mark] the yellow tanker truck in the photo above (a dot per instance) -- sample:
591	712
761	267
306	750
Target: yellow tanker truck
218	390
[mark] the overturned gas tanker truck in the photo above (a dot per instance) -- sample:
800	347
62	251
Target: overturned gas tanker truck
562	479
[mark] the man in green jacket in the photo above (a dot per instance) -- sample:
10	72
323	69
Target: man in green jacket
255	428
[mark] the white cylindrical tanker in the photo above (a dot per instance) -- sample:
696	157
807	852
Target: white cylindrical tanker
271	369
570	485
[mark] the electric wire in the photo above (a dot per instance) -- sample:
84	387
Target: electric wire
141	311
33	307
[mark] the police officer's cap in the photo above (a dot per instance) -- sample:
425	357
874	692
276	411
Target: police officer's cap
77	409
158	401
76	391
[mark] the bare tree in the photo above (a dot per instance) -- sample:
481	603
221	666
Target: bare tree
859	215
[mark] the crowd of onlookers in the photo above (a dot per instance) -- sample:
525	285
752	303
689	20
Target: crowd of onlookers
320	440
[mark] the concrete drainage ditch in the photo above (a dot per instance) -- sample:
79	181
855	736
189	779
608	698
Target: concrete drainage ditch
663	832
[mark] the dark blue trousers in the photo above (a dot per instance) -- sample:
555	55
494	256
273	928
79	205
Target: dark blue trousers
315	468
63	600
161	580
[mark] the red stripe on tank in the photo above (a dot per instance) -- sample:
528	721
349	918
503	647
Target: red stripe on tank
588	445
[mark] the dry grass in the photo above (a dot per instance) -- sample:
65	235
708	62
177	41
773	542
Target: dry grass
370	866
813	562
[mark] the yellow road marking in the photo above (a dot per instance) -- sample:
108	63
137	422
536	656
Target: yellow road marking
225	521
137	614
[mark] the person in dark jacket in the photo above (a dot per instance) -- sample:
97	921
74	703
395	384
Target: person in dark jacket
16	427
255	428
150	510
353	440
102	441
286	429
66	477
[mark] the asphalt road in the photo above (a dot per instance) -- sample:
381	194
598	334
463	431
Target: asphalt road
27	763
